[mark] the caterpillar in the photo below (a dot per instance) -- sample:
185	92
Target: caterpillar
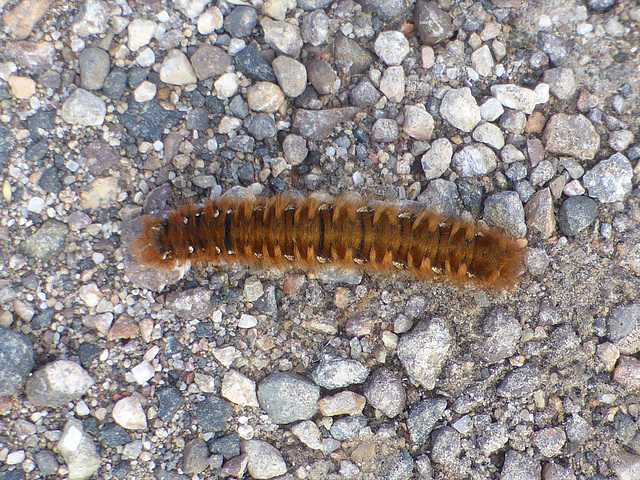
314	232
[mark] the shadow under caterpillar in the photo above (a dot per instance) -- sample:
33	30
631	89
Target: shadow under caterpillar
311	233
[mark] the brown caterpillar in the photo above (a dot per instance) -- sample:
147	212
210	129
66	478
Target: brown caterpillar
312	233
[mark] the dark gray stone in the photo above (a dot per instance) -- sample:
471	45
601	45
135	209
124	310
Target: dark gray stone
241	21
213	414
364	94
147	120
262	126
385	9
288	397
48	240
576	214
16	361
94	67
319	124
350	56
113	435
434	24
250	63
423	417
170	400
520	382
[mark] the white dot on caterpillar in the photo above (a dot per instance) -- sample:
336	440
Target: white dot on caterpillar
191	250
230	252
399	265
216	213
218	250
291	258
258	255
185	220
229	212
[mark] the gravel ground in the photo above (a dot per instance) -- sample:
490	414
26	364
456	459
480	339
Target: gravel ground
523	114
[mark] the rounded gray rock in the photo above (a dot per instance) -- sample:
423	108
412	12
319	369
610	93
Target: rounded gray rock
624	328
423	417
335	372
240	22
505	210
384	391
610	180
460	109
385	9
315	27
16	361
385	130
475	160
364	94
434	24
94	68
58	383
437	159
561	82
288	397
520	382
501	335
48	241
576	214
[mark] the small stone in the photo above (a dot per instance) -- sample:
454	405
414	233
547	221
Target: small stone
250	63
227	85
627	374
491	110
191	8
490	134
309	434
571	135
22	87
347	428
334	372
434	24
93	19
620	140
241	21
315	28
505	210
140	32
343	403
47	462
58	383
392	47
213	414
392	84
210	62
264	460
191	304
578	429
288	397
516	98
482	61
475	160
384	391
177	70
441	197
33	57
350	56
576	214
322	76
295	149
170	401
129	414
282	36
437	159
265	97
610	180
418	123
94	67
364	94
146	91
423	417
16	359
460	109
561	82
210	21
550	441
79	451
385	130
574	188
423	351
83	108
291	75
501	336
493	437
319	124
236	466
239	389
196	457
520	382
446	446
513	121
518	466
624	328
428	57
539	213
262	126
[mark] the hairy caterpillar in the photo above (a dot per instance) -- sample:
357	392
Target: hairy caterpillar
312	233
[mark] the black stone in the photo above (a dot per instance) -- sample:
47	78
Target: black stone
50	181
115	85
147	121
250	63
170	400
228	446
113	435
213	414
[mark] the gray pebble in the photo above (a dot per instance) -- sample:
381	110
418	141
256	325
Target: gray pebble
242	143
525	190
262	126
423	417
16	361
340	275
93	19
392	47
58	383
446	445
490	134
511	154
505	210
513	121
291	75
213	413
561	82
460	109
83	108
79	451
384	391
335	372
322	76
516	172
198	119
493	437
264	460
475	160
515	97
295	149
115	85
315	27
239	107
550	441
113	435
418	123
195	457
288	397
385	130
519	466
48	240
482	61
170	400
520	382
347	428
402	469
571	135
47	463
600	5
94	67
147	120
542	173
249	62
539	212
228	446
434	24
319	124
620	140
610	180
553	46
283	36
364	94
578	429
210	61
440	196
501	336
437	159
310	5
240	22
192	304
574	169
350	56
423	351
555	471
624	328
576	214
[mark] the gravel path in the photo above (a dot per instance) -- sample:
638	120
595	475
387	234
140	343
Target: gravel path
523	114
